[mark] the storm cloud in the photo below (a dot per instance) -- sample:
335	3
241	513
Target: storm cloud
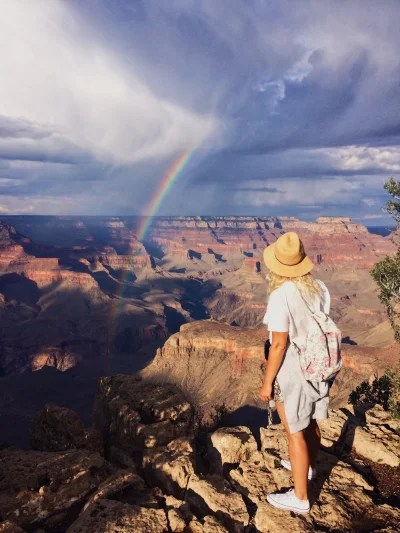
290	107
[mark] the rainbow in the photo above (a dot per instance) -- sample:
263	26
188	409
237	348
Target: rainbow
174	171
163	189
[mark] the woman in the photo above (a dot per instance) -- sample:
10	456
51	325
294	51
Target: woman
299	402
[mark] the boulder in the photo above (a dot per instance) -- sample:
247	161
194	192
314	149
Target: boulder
213	495
134	415
171	467
382	426
254	480
176	521
261	474
274	443
333	429
369	446
179	514
56	429
117	483
228	446
182	520
36	486
268	519
210	524
105	516
340	496
377	415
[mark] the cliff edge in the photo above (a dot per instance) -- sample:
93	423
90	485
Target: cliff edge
147	470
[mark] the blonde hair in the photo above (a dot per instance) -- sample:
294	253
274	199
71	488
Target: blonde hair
306	282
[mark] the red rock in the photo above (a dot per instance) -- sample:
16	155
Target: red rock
216	363
329	240
208	359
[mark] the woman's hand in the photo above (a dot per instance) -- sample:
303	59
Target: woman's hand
266	392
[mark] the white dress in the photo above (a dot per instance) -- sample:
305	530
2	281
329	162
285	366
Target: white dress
286	312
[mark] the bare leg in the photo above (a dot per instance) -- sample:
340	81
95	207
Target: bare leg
298	455
313	439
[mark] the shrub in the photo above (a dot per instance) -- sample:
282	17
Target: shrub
386	273
384	391
393	206
394	399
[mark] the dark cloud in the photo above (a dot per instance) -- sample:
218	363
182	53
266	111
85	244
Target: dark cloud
281	100
20	128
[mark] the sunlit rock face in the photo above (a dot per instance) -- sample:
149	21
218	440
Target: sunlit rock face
214	363
219	364
329	240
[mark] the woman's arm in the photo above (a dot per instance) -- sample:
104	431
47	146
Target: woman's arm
275	357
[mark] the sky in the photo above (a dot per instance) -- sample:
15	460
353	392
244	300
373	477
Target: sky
285	107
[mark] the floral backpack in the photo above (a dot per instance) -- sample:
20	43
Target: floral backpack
320	354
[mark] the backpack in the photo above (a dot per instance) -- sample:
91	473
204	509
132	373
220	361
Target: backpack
320	354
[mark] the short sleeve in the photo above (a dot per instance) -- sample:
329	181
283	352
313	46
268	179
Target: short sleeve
277	315
325	298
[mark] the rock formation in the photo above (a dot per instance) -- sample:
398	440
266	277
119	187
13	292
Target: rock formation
219	364
81	263
132	415
166	484
213	363
55	304
329	240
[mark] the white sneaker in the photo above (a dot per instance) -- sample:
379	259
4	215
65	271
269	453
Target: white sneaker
312	472
289	502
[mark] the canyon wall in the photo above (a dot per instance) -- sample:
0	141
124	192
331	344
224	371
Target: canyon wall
83	295
328	240
89	281
215	364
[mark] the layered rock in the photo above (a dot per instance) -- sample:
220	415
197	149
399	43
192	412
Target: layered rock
132	415
183	491
229	236
218	364
225	236
213	363
126	262
55	303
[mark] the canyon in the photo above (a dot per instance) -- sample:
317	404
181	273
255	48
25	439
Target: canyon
81	297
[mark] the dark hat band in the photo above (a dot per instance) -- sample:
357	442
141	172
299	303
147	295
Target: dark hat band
291	264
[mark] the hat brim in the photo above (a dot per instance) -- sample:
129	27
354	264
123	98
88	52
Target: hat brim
288	271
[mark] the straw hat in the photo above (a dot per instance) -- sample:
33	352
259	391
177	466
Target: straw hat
286	257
